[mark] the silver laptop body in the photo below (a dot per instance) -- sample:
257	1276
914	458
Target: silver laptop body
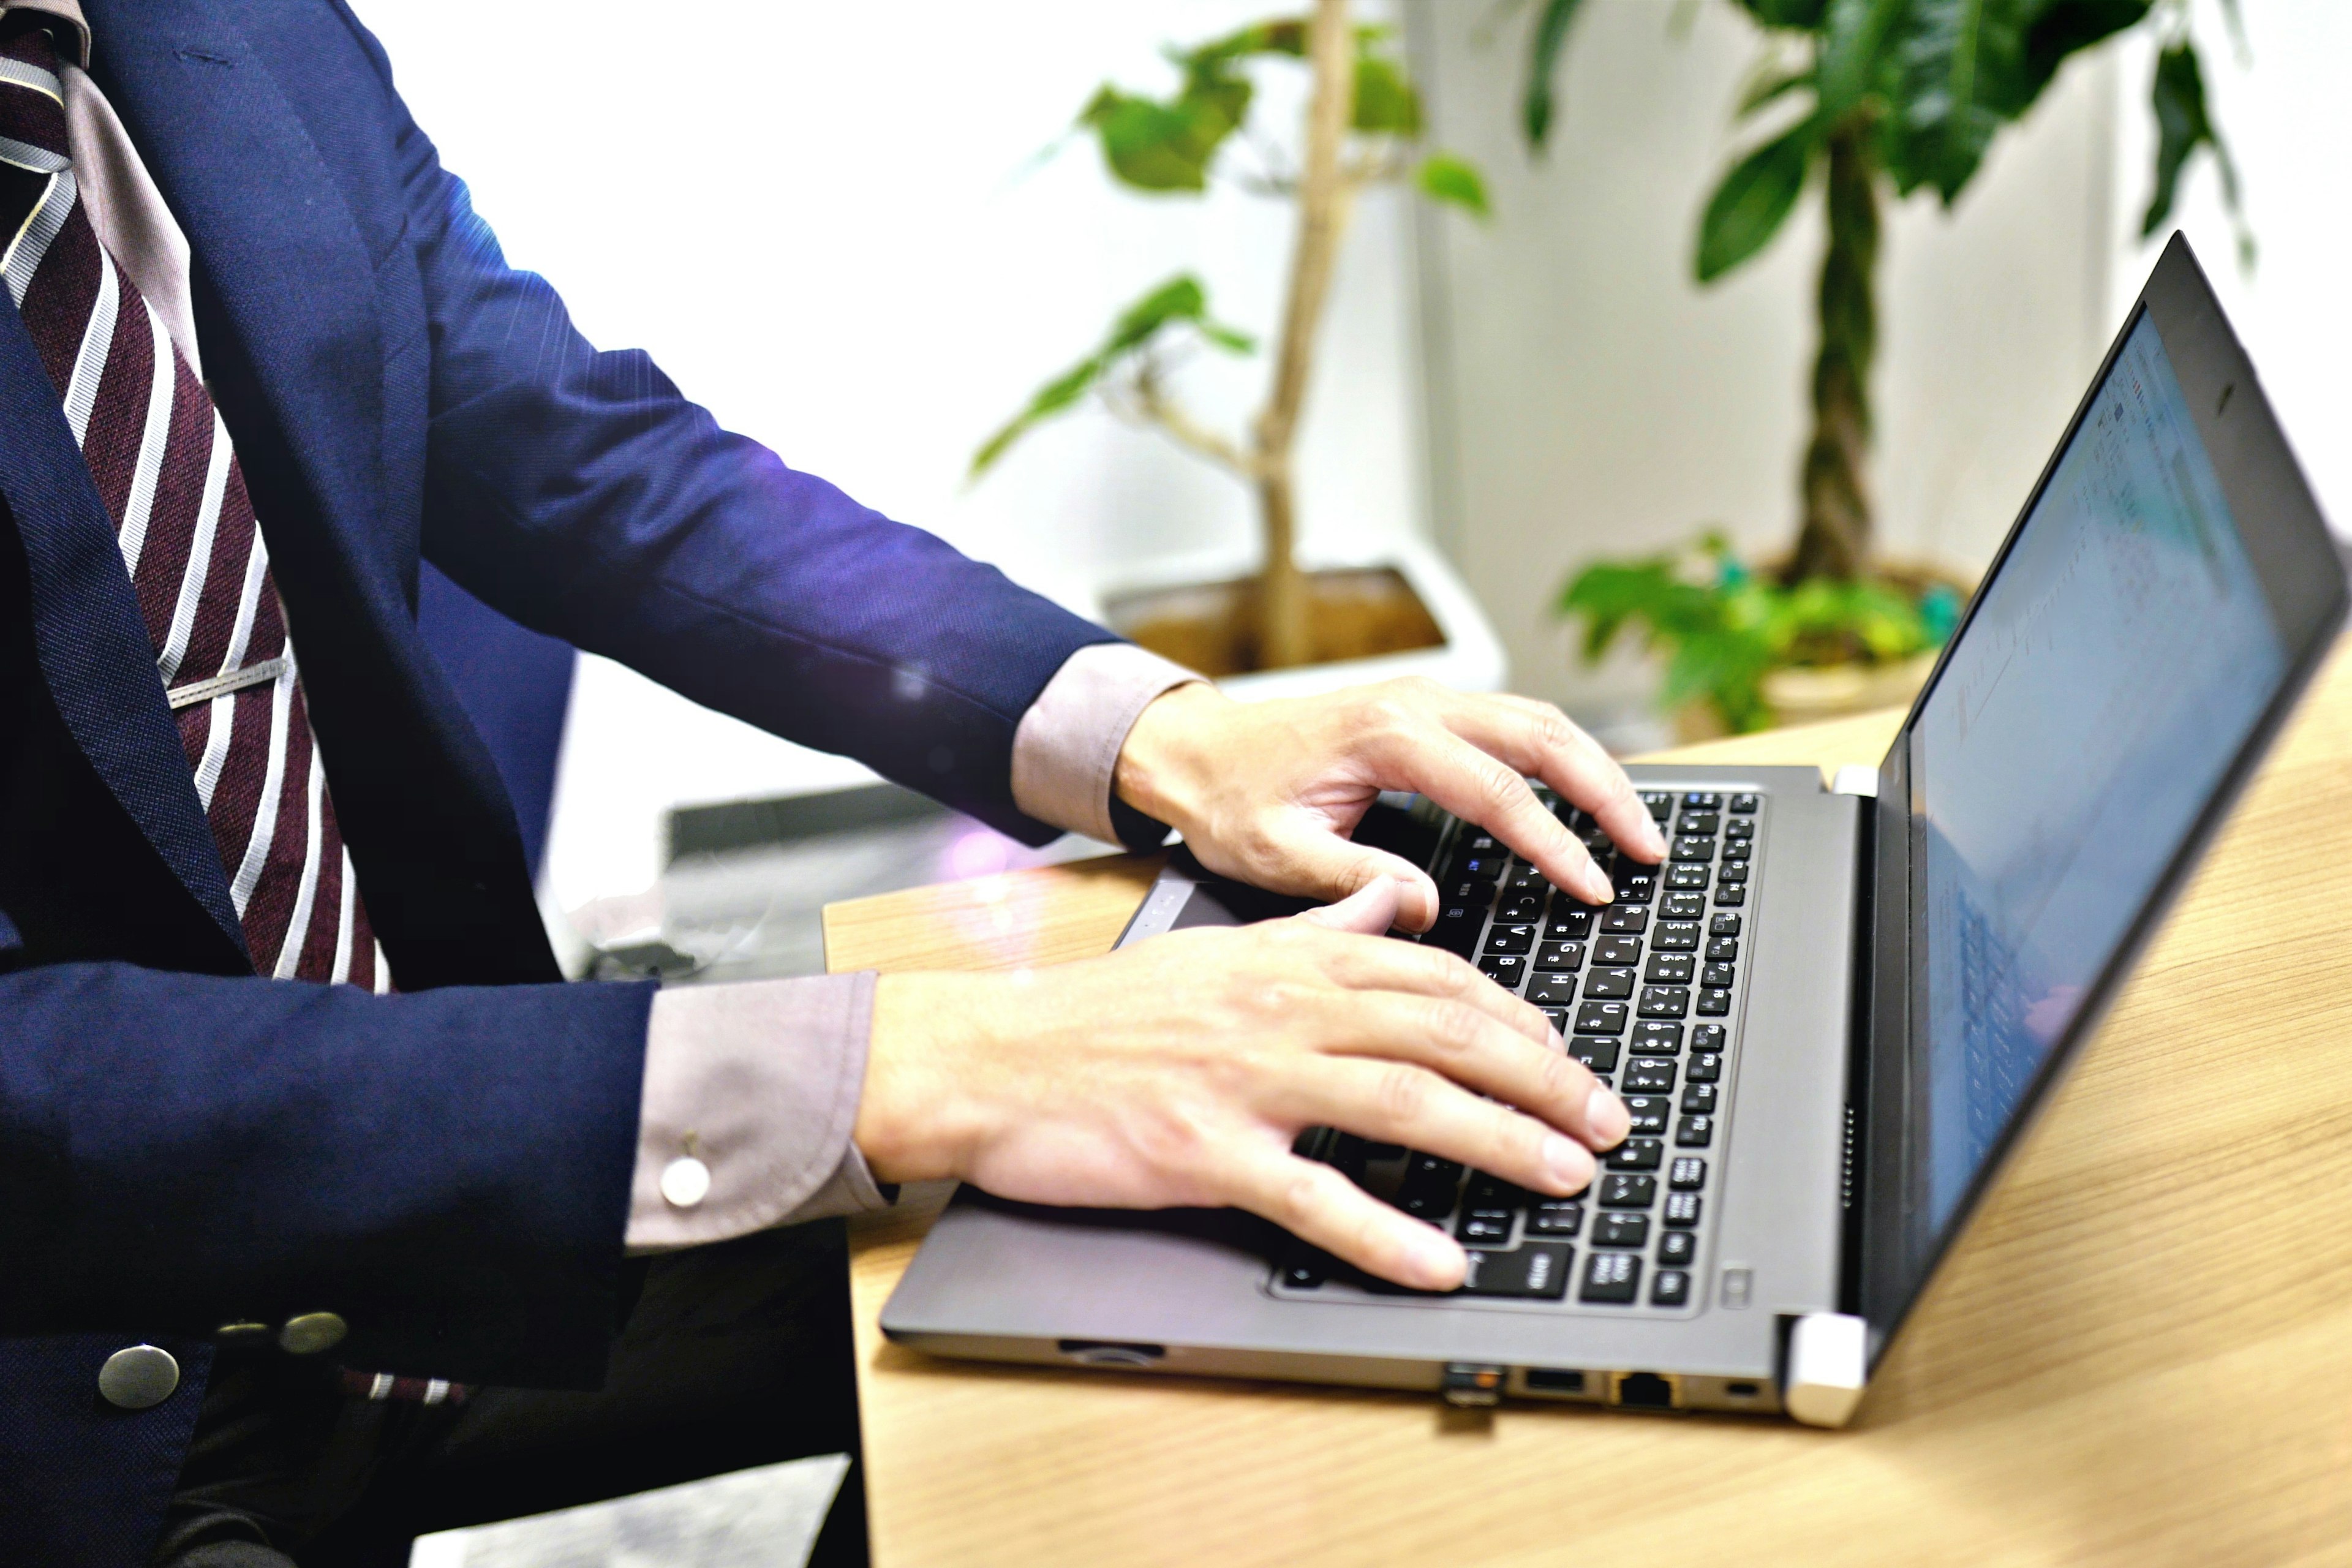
1914	959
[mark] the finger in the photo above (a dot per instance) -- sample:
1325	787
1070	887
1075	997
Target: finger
1541	741
1401	1103
1323	1208
1470	1048
1414	970
1369	910
1309	859
1475	786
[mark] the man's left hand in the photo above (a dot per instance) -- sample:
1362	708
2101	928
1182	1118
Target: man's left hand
1268	792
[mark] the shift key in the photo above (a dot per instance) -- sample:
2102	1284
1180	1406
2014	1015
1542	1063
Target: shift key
1538	1272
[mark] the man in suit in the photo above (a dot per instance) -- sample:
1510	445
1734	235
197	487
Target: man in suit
291	1096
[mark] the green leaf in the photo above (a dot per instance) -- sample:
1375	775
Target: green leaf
1157	146
1753	201
1800	14
1180	302
2183	124
1447	178
1769	88
1536	103
1386	104
1852	58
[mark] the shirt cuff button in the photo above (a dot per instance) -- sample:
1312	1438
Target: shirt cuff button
685	1183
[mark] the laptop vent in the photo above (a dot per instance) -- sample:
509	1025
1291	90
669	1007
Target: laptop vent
1846	1174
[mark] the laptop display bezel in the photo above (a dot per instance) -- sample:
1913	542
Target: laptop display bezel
2302	572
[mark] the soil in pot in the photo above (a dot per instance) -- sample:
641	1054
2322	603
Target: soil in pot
1357	613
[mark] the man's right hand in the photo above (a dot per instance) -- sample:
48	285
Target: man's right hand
1179	1071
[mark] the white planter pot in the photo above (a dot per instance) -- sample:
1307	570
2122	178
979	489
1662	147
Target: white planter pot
1471	657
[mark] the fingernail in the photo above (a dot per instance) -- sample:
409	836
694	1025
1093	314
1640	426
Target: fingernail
1606	1115
1597	888
1658	841
1570	1163
1436	1259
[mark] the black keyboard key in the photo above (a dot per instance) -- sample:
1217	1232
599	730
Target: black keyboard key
1621	1230
1557	1016
1666	1001
1687	1174
1617	950
1743	804
1694	1133
1513	938
1661	804
1670	969
1699	1100
1637	1155
1432	1168
1488	1191
1696	823
1654	1038
1487	866
1707	1036
1705	1068
1628	1192
1557	1220
1559	955
1519	909
1601	1018
1569	921
1670	1288
1306	1269
1426	1202
1676	1247
1736	893
1682	1210
1714	1004
1649	1112
1456	930
1613	1278
1736	829
1687	877
1702	800
1484	1227
1525	878
1734	873
1600	1055
1699	849
1723	925
1716	975
1474	894
1676	936
1605	984
1552	990
1649	1076
1626	918
1683	906
1504	969
1723	949
1536	1272
1636	886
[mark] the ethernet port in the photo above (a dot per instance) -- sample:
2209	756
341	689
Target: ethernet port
1645	1391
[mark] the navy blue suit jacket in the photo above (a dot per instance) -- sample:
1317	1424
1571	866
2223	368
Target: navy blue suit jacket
182	1145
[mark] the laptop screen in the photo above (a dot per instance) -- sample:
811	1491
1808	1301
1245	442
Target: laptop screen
2109	675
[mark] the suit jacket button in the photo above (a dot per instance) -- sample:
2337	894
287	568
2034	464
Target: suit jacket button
312	1332
139	1377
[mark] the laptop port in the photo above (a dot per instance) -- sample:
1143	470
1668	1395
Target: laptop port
1111	1352
1645	1391
1554	1380
1742	1390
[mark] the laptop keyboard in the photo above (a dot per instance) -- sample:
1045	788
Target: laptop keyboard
1646	991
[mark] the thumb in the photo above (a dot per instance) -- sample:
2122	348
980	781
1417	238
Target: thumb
1319	864
1369	910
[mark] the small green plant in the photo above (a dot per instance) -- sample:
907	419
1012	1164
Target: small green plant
1363	129
1723	628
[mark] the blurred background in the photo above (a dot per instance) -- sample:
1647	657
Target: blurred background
879	234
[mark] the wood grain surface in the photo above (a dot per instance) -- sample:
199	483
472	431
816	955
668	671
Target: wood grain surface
2141	1352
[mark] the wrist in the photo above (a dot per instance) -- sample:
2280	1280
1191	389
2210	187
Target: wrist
1165	752
913	1123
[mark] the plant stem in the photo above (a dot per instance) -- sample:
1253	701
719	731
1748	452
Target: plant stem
1835	540
1284	638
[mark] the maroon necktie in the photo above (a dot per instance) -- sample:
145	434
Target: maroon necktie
170	481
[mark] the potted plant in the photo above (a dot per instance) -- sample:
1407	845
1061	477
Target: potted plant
1363	129
1870	101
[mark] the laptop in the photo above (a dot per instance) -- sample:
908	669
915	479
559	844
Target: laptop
1832	1012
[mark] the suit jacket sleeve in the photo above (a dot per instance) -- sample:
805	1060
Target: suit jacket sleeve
582	494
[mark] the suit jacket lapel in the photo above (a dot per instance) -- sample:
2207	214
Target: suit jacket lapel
93	648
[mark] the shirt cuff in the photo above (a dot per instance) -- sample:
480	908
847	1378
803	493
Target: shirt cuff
1065	751
760	1083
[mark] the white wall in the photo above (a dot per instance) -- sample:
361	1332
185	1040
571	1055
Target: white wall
1588	399
2288	117
825	223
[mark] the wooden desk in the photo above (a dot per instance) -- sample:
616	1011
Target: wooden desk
2141	1352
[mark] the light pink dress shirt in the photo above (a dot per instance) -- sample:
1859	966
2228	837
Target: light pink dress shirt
761	1081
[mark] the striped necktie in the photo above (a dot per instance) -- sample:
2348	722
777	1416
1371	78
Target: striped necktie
169	479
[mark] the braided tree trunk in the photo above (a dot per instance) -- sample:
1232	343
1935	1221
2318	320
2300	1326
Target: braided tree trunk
1835	540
